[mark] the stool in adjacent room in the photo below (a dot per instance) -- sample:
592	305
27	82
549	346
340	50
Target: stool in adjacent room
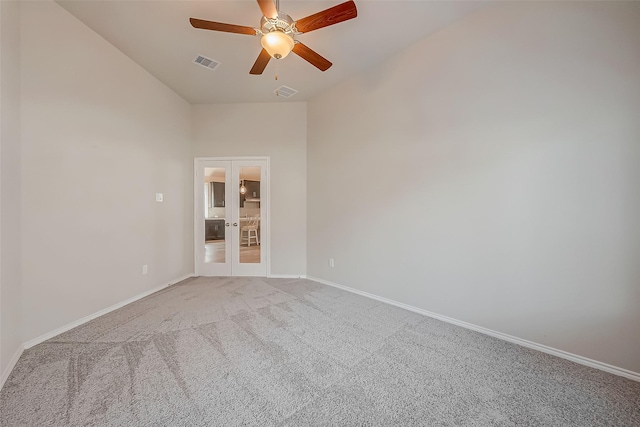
251	230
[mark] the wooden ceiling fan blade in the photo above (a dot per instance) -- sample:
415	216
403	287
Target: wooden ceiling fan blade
261	62
311	57
333	15
219	26
268	8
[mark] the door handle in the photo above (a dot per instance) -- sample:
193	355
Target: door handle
235	224
227	224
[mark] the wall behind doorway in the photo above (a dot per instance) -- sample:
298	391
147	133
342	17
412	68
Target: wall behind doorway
277	130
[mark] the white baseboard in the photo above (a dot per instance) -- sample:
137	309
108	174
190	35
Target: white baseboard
102	312
287	276
510	338
11	365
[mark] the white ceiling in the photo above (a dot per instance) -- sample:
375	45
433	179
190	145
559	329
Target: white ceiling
250	173
157	35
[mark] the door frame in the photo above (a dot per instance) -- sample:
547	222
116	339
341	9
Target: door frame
198	217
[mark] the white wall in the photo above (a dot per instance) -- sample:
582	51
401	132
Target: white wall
278	130
10	280
100	136
490	173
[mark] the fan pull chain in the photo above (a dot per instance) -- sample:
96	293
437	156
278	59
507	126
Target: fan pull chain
276	76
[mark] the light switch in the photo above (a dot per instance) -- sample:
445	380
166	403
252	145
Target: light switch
159	197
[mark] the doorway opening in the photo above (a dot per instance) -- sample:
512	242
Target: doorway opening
232	216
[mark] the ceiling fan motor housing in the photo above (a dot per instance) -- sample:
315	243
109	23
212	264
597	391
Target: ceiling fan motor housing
277	35
282	23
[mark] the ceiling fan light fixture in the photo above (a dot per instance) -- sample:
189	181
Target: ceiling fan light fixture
277	43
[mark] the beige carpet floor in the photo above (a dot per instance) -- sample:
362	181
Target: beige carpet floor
274	352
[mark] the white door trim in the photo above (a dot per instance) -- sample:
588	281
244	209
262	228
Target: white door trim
265	201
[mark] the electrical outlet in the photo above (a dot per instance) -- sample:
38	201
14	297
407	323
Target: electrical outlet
331	262
159	197
145	269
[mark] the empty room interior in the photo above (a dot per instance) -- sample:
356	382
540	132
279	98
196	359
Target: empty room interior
395	213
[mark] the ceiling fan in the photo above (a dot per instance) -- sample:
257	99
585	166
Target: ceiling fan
278	32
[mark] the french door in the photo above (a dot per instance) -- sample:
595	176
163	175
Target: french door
231	216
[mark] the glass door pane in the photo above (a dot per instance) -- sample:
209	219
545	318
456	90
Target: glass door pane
215	213
250	249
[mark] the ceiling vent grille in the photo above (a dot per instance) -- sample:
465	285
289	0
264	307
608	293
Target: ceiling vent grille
285	91
206	62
